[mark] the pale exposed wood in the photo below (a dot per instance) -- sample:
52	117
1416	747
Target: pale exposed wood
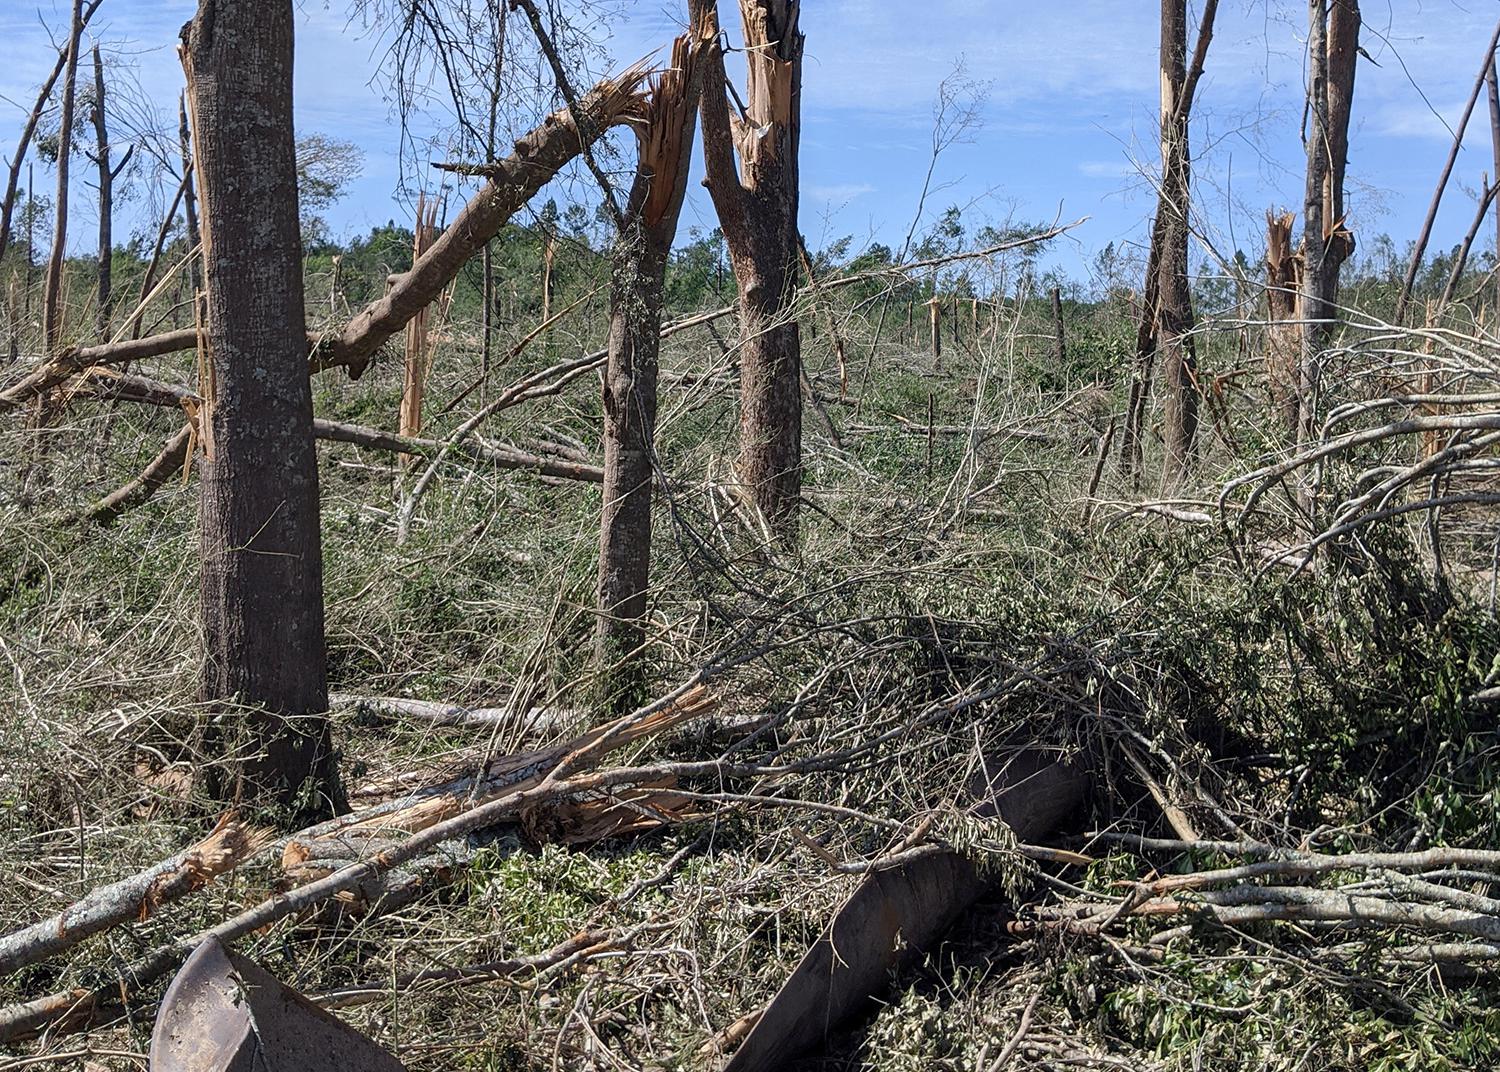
419	350
229	844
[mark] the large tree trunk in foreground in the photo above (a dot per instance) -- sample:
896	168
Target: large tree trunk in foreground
1333	50
757	208
640	267
52	294
262	568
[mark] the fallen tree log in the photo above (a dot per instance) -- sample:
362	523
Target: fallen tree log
70	363
78	1007
412	812
897	914
226	847
140	489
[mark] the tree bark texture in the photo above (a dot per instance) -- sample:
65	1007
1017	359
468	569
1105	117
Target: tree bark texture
757	207
640	266
1166	315
264	667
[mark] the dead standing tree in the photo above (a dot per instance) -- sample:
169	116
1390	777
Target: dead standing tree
1332	50
261	556
1166	321
52	294
639	278
757	207
107	176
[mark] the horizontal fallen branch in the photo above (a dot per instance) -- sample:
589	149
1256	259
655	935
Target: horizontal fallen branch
226	847
70	363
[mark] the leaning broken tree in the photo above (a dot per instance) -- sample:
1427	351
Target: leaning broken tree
756	203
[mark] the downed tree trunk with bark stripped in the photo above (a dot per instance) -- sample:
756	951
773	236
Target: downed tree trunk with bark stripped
226	847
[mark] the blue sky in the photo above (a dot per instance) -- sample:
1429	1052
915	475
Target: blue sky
1068	123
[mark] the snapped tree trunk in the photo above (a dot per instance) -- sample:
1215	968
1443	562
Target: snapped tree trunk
264	671
1283	333
639	277
1332	49
52	296
757	207
1174	320
418	348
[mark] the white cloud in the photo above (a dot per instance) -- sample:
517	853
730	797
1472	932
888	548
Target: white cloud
1107	169
840	193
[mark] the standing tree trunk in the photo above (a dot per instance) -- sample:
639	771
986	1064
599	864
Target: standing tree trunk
1174	321
1166	322
52	296
1057	327
1492	80
935	323
1332	49
639	278
418	350
107	176
757	208
264	666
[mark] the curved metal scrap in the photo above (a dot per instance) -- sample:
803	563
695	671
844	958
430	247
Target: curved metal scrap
224	1013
